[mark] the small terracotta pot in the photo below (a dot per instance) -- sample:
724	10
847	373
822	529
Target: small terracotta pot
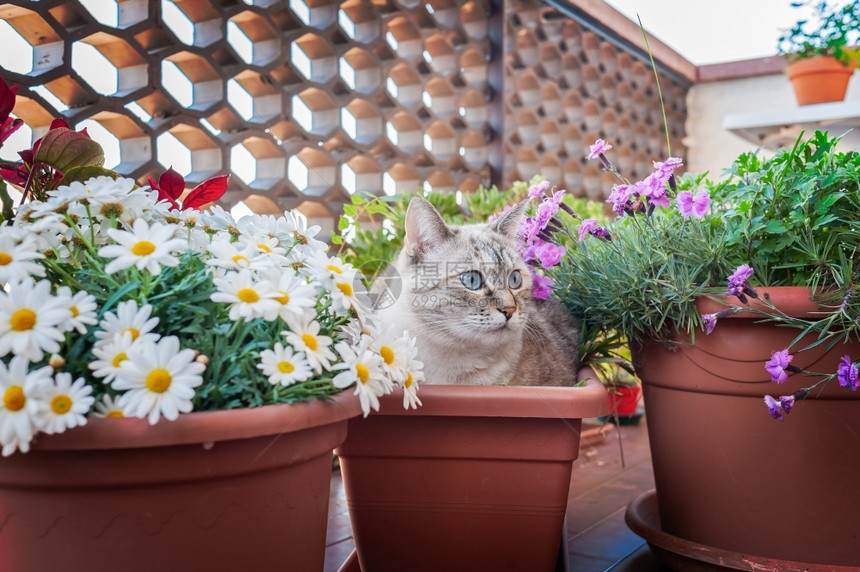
245	489
729	476
475	479
820	79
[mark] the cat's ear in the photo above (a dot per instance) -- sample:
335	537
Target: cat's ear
425	229
509	223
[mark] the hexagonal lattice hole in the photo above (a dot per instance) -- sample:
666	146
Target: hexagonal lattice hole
360	120
440	54
312	171
193	22
473	66
358	20
439	140
30	45
474	149
313	57
445	12
109	64
253	38
404	85
315	13
473	18
404	132
36	120
253	98
361	174
191	81
360	70
400	179
258	162
126	145
117	13
440	97
473	108
66	92
404	38
315	111
191	151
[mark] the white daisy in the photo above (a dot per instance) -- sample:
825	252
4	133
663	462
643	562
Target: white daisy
414	377
95	191
20	406
267	225
394	350
363	368
145	247
128	318
283	365
293	294
17	257
304	335
63	404
107	407
215	219
31	319
303	235
231	255
248	298
110	353
83	307
160	379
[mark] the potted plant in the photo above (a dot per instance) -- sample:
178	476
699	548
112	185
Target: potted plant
722	289
482	472
820	53
171	378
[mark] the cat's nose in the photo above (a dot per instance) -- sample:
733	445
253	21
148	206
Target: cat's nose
508	311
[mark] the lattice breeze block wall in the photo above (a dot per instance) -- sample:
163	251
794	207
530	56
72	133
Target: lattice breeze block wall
308	101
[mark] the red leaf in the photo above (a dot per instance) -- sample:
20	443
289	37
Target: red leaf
172	184
7	100
209	190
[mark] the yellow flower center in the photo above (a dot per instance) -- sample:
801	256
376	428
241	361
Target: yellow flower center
23	319
362	372
115	413
286	367
143	248
334	269
345	287
61	404
75	311
158	380
387	354
310	342
408	383
14	398
118	359
133	331
284	298
264	247
239	259
248	295
5	259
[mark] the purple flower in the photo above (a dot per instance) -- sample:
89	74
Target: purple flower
541	285
777	365
773	407
619	197
739	285
590	226
530	228
847	373
538	190
600	147
786	402
689	205
710	321
549	254
664	170
654	189
498	215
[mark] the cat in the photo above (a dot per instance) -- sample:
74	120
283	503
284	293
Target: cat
467	297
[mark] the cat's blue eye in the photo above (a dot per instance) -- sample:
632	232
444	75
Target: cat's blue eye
472	279
515	280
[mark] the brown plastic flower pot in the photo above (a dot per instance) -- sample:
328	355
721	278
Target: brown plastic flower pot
730	477
245	489
475	479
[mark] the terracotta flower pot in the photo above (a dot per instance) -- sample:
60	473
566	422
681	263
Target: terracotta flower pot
819	79
624	400
245	489
475	479
730	477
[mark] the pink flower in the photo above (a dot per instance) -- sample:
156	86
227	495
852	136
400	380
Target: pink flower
600	147
777	365
549	254
689	205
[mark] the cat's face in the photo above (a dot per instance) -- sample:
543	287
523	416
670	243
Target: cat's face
466	283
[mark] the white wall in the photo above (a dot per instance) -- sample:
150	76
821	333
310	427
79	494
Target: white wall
712	148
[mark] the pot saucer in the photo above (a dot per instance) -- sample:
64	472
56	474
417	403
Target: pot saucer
682	555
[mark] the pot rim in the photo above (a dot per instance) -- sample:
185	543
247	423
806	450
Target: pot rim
796	301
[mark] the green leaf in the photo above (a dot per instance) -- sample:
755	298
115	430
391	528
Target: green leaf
64	149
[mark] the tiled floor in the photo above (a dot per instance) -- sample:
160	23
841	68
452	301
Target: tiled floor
601	488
